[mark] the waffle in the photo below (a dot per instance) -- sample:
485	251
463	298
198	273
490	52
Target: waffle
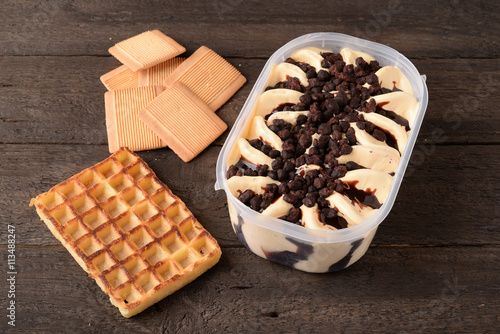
128	231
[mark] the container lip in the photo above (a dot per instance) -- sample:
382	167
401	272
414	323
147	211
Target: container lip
334	42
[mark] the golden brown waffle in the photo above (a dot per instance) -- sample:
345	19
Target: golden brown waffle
128	231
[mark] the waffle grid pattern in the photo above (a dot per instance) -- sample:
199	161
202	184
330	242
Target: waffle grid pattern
132	233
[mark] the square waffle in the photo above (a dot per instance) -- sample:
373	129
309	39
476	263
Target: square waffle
128	231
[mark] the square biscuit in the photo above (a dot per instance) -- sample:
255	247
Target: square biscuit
146	50
120	78
124	128
209	76
156	75
183	121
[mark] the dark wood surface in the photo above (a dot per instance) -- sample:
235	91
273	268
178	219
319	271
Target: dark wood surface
434	264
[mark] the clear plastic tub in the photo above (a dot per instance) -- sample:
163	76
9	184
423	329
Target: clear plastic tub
293	245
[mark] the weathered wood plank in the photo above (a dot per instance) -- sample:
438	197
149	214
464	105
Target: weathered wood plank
391	289
417	29
450	196
60	99
52	126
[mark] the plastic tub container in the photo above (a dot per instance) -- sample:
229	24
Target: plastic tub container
293	245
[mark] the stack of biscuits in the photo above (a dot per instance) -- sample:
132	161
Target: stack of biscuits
158	99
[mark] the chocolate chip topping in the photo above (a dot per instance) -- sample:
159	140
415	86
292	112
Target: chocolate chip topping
318	138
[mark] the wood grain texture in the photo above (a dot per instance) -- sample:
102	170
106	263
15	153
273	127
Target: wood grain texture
433	265
61	99
392	289
436	204
417	29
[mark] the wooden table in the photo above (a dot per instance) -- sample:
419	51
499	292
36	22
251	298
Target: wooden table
434	263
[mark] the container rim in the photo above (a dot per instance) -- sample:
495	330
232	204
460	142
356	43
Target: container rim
334	42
